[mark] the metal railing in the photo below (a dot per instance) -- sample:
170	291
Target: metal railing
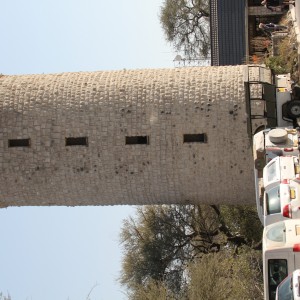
261	98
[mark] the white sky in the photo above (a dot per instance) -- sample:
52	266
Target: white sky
58	252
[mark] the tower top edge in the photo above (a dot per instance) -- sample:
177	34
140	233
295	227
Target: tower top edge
145	70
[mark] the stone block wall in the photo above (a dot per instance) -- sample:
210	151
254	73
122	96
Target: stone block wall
165	136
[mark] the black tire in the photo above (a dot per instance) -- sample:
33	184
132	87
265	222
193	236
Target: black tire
293	109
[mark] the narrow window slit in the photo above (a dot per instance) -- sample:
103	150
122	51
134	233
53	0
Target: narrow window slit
137	140
19	143
77	141
195	138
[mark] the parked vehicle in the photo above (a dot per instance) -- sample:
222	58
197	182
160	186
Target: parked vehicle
281	254
276	142
281	200
289	288
277	182
281	182
292	209
281	168
275	198
287	101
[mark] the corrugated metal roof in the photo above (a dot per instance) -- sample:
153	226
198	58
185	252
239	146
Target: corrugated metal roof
228	40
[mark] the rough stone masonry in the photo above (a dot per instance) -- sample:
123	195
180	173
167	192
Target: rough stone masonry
164	136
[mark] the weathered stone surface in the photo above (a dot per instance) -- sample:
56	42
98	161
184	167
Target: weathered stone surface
106	107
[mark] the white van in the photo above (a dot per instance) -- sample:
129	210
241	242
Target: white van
281	201
279	169
267	145
289	288
292	209
281	254
275	191
276	198
276	142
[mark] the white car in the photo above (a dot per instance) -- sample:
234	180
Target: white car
292	209
276	142
277	199
270	144
279	169
289	288
281	200
281	184
281	254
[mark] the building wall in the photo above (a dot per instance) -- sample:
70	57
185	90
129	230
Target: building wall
38	113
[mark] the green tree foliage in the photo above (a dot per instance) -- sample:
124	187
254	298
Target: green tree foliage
161	242
243	223
186	26
285	60
226	276
154	290
222	276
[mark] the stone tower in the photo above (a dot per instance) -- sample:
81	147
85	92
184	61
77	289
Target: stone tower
126	137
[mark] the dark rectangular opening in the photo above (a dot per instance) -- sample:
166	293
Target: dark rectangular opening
77	141
19	143
140	140
195	138
277	269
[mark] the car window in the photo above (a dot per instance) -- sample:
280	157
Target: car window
272	171
285	289
273	201
277	233
277	271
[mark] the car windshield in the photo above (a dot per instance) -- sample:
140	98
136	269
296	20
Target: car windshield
277	232
273	201
285	289
272	171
